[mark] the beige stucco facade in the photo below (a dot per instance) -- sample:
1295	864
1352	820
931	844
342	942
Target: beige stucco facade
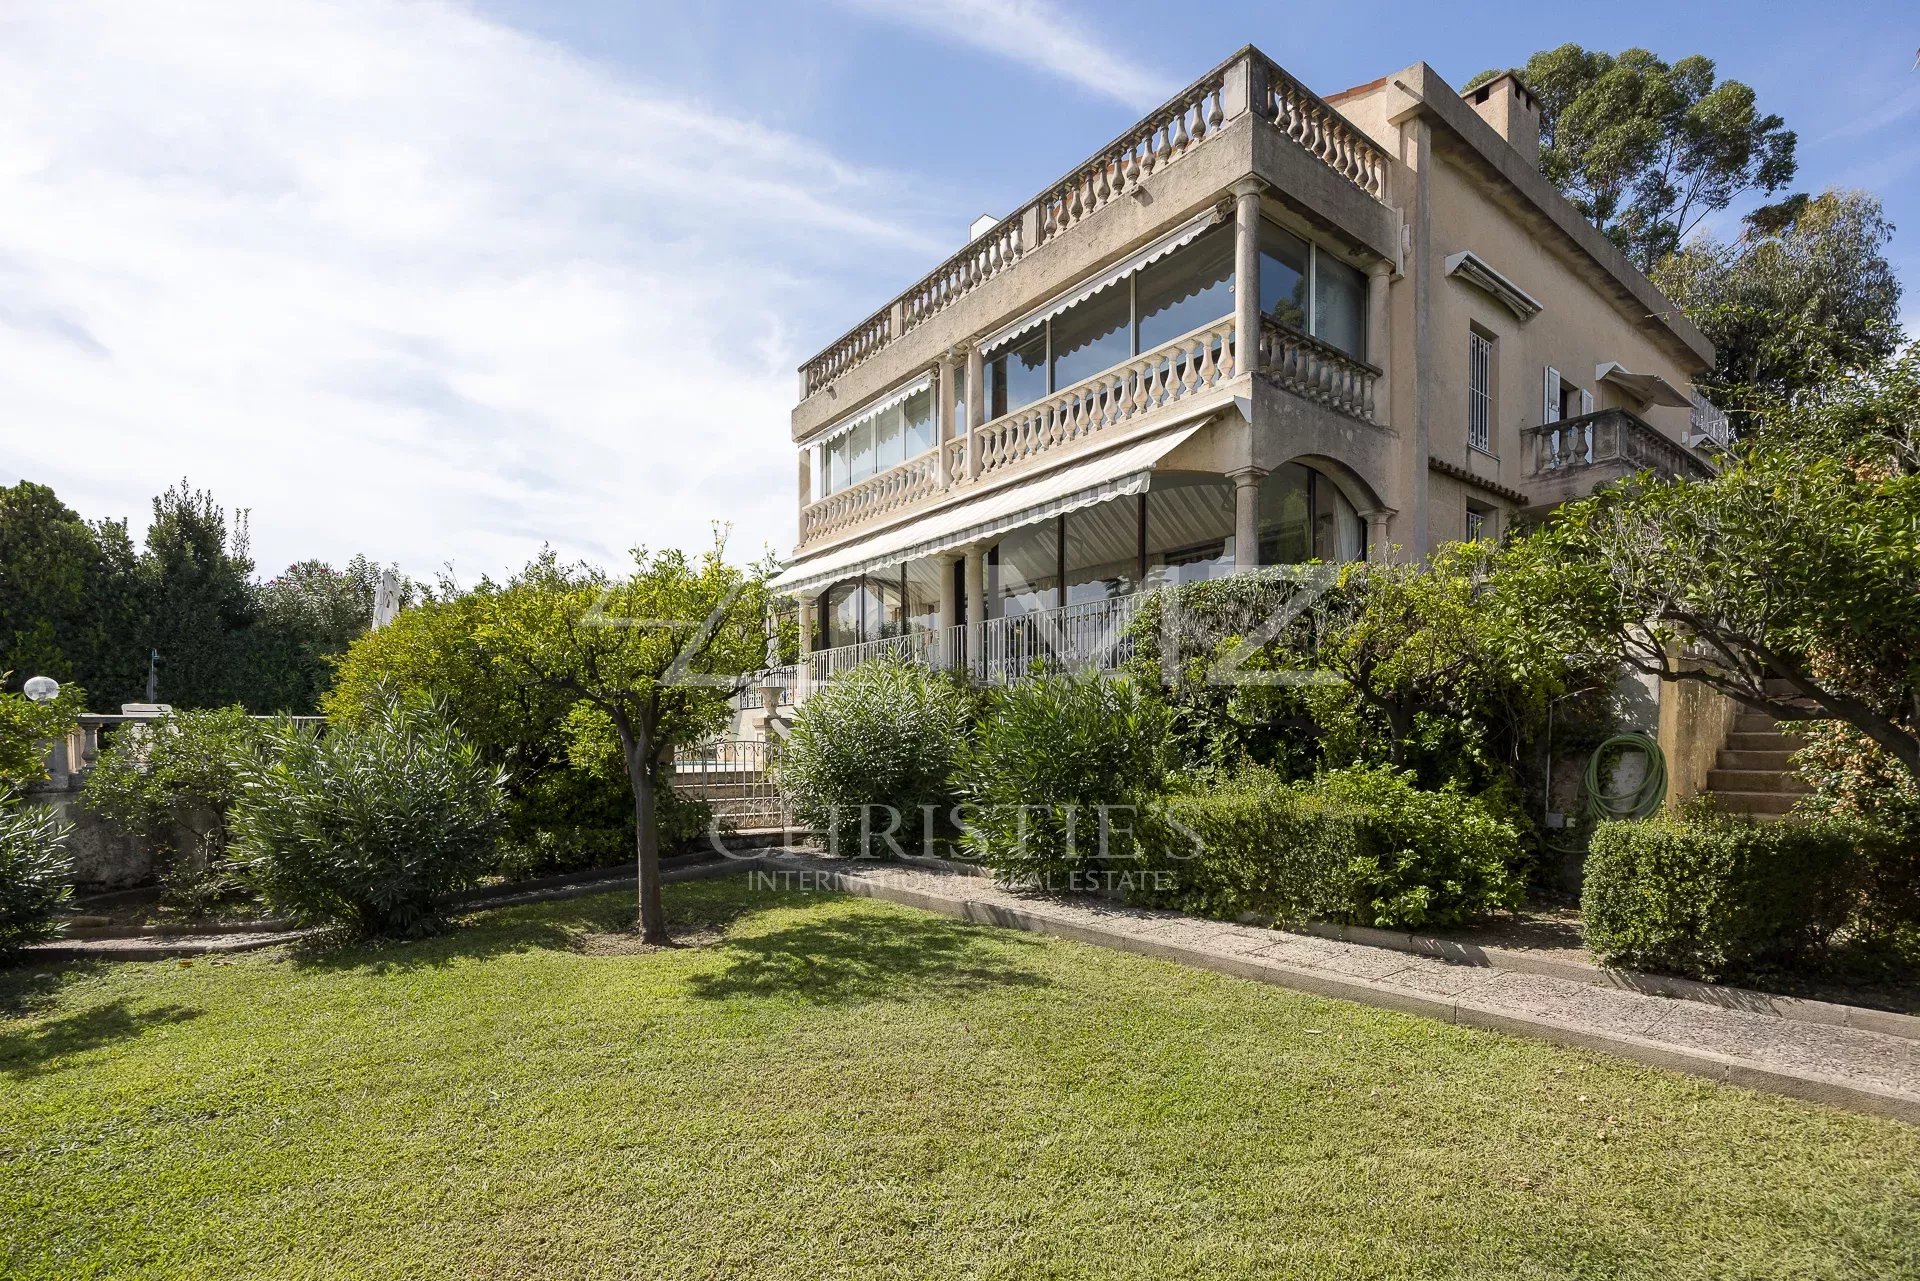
1431	201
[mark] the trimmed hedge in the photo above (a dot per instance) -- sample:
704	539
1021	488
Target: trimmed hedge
1711	896
1358	845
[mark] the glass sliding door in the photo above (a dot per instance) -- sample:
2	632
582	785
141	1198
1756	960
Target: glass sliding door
1103	550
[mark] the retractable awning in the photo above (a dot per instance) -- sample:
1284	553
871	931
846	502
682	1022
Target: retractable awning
1651	389
1115	474
1184	234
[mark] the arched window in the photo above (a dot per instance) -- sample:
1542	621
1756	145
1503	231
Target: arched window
1304	516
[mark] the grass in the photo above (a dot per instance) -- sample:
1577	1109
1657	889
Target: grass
837	1087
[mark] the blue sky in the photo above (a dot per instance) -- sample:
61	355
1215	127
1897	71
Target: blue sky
442	281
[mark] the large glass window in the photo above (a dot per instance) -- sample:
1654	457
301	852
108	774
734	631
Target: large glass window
1092	336
1285	266
1190	287
1103	550
917	422
1189	527
922	611
1028	570
885	440
1339	305
1017	376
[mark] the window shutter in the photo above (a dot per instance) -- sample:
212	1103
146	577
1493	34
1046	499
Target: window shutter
1586	401
1550	400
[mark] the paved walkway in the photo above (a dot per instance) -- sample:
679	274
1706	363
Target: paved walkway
1857	1068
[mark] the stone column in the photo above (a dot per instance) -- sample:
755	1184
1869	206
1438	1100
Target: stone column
976	575
1380	340
1378	538
1246	517
943	417
809	609
1246	274
949	608
976	404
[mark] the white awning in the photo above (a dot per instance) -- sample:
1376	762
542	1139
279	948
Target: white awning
1115	474
1649	389
1181	235
874	410
1478	272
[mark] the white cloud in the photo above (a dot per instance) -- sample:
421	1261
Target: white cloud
404	281
1036	34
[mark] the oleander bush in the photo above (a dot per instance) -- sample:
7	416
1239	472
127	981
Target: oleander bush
1054	775
366	826
1358	845
35	874
1716	896
876	743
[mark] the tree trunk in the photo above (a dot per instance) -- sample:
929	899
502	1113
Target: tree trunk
652	915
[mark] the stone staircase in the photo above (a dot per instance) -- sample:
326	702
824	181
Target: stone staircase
1753	774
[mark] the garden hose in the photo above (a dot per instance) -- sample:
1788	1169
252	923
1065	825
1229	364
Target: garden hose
1639	801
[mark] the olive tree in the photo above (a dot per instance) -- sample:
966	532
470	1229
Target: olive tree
658	652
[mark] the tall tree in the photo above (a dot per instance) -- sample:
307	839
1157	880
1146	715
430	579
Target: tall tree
658	653
1803	295
68	604
1646	148
196	571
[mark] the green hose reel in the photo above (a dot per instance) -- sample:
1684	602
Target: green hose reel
1640	800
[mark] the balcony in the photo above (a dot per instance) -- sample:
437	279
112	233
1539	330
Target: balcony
1248	84
1572	458
1165	383
1088	636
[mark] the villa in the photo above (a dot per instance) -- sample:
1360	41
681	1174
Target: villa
1258	328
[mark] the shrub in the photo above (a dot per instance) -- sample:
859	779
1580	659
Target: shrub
1250	846
366	826
1358	845
35	874
26	727
1715	896
1054	774
883	735
173	783
1430	858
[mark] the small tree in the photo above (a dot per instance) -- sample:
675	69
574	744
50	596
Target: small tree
660	653
1791	582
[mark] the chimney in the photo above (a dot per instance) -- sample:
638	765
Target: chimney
1512	110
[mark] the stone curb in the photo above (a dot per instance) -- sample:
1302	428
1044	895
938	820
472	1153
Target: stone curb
1812	1086
1797	1009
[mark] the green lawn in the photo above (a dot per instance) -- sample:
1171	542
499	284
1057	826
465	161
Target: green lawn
836	1087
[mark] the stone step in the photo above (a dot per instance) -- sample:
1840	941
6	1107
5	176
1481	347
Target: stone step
1778	762
1755	803
1755	723
1775	742
1755	780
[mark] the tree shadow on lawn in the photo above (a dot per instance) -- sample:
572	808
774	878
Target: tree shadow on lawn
569	924
849	960
32	1051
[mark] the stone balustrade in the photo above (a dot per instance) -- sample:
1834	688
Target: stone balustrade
891	490
1189	364
1298	112
1612	437
1316	370
1247	83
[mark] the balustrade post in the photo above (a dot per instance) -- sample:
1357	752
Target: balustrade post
1246	274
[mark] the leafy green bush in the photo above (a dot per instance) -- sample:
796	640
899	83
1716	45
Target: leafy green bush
883	735
173	782
26	727
1714	896
35	874
366	826
1249	845
1054	775
1360	845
